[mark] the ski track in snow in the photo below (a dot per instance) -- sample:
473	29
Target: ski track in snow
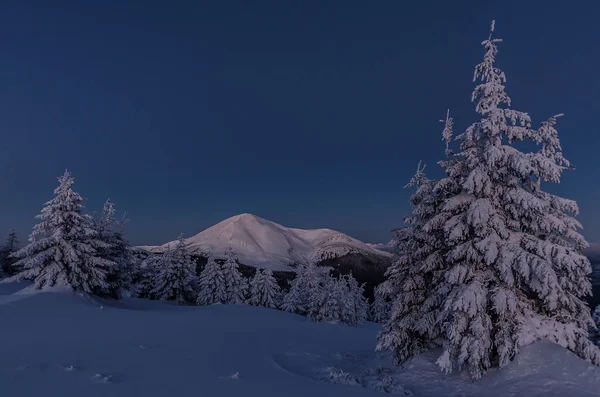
71	345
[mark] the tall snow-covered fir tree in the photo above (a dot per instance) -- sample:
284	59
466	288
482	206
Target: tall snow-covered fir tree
175	275
415	281
264	290
110	230
510	262
63	247
211	284
236	286
6	259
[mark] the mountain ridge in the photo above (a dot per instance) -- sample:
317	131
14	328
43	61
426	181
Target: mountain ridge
262	243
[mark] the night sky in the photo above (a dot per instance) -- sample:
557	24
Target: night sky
308	113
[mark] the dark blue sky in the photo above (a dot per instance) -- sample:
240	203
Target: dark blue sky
307	113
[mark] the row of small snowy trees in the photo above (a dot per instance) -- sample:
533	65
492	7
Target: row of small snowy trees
314	292
489	260
172	276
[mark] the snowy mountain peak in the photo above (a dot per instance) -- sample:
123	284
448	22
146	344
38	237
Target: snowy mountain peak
262	243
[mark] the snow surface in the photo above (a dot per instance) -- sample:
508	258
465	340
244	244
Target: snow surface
60	344
265	244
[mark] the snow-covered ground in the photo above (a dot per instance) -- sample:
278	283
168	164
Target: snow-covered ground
59	344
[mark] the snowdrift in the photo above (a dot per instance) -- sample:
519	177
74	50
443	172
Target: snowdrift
60	344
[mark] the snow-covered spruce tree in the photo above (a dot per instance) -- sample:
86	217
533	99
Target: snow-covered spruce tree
292	300
307	290
111	231
63	247
254	290
264	290
6	259
339	300
211	285
595	333
331	301
313	282
175	275
236	285
144	276
415	281
513	271
379	312
355	304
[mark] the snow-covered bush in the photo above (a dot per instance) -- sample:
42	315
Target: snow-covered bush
338	376
388	384
174	275
264	290
64	247
491	261
211	284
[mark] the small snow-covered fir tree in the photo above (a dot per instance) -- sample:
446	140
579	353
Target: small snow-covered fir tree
174	277
264	290
292	300
595	333
331	301
7	260
314	292
339	300
313	282
63	247
379	311
355	304
307	290
111	232
254	288
211	285
148	266
508	270
236	286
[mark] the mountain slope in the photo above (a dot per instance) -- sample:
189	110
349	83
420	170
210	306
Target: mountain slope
262	243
